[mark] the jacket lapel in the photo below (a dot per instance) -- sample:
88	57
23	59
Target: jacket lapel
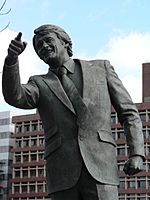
55	86
87	80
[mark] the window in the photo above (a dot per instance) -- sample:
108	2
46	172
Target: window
113	118
4	135
120	151
120	166
41	155
25	173
33	142
121	135
40	172
141	182
16	189
24	189
40	126
114	135
32	187
34	125
143	117
122	184
26	142
18	158
40	187
5	121
26	126
33	172
18	128
33	156
18	142
41	141
17	174
25	158
131	184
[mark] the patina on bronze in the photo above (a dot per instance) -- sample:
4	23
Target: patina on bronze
75	109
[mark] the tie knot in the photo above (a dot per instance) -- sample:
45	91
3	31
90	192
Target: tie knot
62	71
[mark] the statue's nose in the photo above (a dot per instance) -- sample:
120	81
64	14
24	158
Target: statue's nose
45	44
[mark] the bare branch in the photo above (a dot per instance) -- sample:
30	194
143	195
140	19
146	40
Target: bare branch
5	27
6	12
3	5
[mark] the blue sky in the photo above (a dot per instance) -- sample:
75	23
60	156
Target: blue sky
117	30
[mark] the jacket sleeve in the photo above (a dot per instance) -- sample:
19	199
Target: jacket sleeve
19	95
127	112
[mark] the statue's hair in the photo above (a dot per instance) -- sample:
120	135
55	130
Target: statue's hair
61	34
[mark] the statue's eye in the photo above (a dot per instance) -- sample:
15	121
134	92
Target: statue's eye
39	44
49	40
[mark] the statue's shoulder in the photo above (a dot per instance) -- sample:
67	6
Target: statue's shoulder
94	62
37	77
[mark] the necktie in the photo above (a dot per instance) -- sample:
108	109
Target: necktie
72	92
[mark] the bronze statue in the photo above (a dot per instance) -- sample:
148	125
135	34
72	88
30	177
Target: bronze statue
74	102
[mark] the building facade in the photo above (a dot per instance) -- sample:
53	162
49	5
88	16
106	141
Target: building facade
133	187
6	143
29	178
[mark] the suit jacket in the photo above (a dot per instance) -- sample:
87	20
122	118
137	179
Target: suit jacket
69	139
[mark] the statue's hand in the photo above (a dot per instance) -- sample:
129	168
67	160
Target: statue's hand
16	47
133	165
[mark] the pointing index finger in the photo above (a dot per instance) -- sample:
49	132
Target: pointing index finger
18	38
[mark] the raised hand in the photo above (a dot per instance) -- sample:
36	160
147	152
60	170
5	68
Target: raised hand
16	47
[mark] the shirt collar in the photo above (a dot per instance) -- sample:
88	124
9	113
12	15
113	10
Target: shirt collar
69	65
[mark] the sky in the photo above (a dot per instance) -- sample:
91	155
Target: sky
116	30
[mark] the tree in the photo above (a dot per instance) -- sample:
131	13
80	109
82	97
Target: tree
4	13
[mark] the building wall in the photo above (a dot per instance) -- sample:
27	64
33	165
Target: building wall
29	178
133	187
6	143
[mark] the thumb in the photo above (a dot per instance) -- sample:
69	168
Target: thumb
24	44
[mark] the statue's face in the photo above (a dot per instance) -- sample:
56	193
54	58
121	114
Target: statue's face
51	49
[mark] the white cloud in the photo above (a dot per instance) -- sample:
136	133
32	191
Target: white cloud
134	87
127	53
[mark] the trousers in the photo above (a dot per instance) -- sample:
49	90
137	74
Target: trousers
87	188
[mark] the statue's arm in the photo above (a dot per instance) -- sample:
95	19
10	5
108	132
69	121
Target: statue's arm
18	95
129	118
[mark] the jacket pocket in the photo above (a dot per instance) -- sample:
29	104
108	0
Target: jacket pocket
105	136
52	146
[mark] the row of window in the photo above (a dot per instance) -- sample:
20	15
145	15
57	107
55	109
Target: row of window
28	172
145	117
118	133
29	141
134	183
4	121
29	156
134	197
29	187
27	126
4	135
122	150
4	149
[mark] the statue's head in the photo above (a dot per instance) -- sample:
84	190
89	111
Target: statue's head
60	33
